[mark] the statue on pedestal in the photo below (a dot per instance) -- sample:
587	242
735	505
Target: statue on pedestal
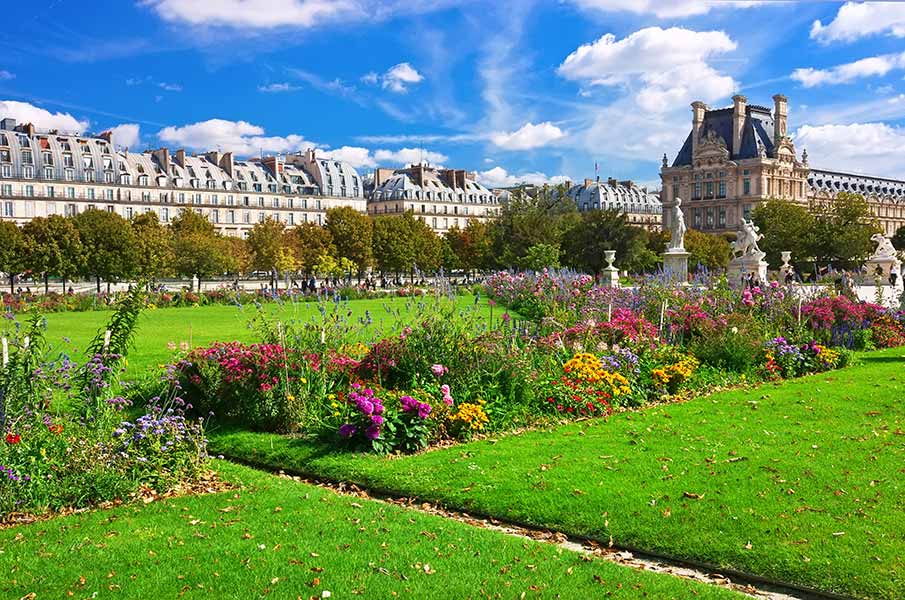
677	228
885	250
745	244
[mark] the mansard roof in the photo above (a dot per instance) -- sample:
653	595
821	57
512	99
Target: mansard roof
834	182
757	130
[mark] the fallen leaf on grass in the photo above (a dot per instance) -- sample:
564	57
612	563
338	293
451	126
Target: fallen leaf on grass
693	496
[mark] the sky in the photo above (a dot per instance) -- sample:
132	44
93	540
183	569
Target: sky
517	91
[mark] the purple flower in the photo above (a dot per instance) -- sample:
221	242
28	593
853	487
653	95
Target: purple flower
372	432
376	420
408	403
424	409
439	370
347	430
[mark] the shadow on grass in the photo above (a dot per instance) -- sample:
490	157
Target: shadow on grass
881	359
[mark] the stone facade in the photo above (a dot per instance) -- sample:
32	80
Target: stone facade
735	158
46	173
442	198
641	208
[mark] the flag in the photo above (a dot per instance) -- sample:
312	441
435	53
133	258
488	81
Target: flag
595	167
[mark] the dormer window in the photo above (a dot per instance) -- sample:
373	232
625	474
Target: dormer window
142	179
47	157
27	157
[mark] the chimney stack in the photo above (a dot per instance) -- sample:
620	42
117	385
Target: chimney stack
163	159
226	163
180	158
697	121
739	104
780	114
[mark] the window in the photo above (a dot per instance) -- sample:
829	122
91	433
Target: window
746	211
90	194
247	217
51	192
108	194
128	212
6	190
28	172
8	209
232	216
769	186
125	179
746	186
708	224
675	191
709	189
165	214
181	198
721	217
276	202
260	217
214	200
67	160
70	210
722	189
291	218
4	155
260	200
108	177
696	218
215	216
89	175
70	192
230	200
142	180
27	158
7	171
697	189
30	191
48	172
196	199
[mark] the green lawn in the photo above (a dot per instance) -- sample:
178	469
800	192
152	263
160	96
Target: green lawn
803	481
277	538
198	326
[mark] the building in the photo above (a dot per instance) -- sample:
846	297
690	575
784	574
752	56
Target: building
46	173
735	158
640	207
442	198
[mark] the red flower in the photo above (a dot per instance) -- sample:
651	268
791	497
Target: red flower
13	438
56	428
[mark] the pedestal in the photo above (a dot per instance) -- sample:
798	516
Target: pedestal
675	265
610	277
880	268
741	267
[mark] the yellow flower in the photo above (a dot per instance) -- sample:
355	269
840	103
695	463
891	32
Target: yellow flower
304	381
331	396
290	397
472	415
336	414
334	405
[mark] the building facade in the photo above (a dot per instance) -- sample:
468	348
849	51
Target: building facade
641	208
442	198
47	173
735	158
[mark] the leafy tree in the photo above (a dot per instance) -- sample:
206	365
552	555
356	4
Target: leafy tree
786	226
286	261
708	250
352	234
898	238
527	220
326	266
12	246
153	245
265	240
310	241
469	248
199	249
842	229
237	255
541	256
53	247
109	246
600	230
394	246
426	244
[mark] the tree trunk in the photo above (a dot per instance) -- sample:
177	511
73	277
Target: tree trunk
63	289
46	283
12	283
98	286
108	288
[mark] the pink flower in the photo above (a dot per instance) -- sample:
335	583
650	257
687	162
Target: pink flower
439	370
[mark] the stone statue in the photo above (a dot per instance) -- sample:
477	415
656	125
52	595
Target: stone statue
885	249
677	229
745	244
665	161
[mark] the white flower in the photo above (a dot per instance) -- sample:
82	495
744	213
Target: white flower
326	594
734	330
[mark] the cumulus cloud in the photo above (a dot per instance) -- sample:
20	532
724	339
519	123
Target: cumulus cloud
6	75
241	137
23	112
872	148
170	87
126	135
363	157
528	136
660	8
356	156
397	78
874	66
500	177
855	20
276	88
669	64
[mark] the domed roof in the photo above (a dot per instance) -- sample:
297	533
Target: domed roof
626	196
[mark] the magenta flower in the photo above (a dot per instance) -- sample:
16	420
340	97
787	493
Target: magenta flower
439	370
347	430
372	432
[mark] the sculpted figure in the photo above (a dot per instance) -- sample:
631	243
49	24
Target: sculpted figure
745	243
678	229
884	249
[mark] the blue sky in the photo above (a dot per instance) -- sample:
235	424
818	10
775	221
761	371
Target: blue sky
517	91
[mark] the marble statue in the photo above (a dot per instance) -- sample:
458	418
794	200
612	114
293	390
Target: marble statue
885	249
678	228
745	244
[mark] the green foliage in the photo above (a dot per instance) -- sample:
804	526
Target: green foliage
12	248
526	220
352	234
265	241
153	245
708	250
470	248
109	245
197	247
842	229
898	239
540	256
599	230
53	247
786	226
311	241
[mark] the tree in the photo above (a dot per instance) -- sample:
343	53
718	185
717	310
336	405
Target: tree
708	250
198	248
53	247
109	246
153	245
527	220
599	230
310	241
786	227
12	246
352	233
469	248
898	238
394	246
842	229
540	256
265	240
426	244
237	255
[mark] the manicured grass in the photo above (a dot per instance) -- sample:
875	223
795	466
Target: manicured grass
802	482
201	325
282	539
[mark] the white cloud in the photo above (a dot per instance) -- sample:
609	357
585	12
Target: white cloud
856	20
259	14
276	88
500	177
663	9
397	78
240	137
874	66
354	155
669	64
528	136
872	148
170	87
408	156
6	75
126	135
23	112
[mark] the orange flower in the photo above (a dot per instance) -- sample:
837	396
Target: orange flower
55	428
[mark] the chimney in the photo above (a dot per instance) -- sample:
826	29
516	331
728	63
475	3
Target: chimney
213	157
381	174
163	159
739	103
226	163
8	123
106	135
780	113
274	164
26	128
180	158
587	182
697	121
611	181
